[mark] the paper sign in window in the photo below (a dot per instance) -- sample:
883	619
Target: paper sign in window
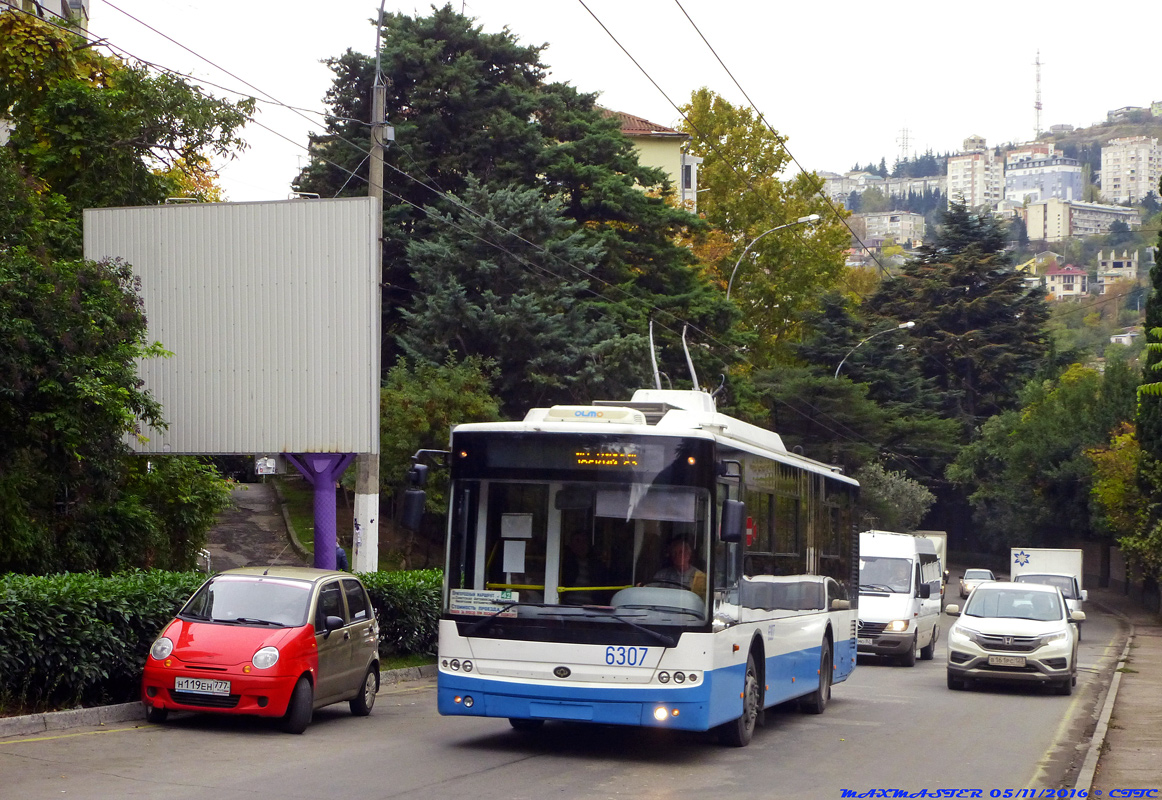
514	556
516	526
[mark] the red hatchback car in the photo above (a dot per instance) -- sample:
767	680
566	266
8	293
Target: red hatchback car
267	641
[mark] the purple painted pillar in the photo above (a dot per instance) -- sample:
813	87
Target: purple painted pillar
322	470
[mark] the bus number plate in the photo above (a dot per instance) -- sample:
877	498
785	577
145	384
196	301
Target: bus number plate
625	656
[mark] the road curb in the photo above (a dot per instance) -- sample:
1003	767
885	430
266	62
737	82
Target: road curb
127	712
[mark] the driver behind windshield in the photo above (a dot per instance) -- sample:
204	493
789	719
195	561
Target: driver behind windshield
681	572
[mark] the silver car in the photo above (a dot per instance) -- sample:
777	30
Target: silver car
973	578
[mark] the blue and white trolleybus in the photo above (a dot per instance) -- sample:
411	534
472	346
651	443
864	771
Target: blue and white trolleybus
650	562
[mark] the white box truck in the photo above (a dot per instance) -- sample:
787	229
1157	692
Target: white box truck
1060	567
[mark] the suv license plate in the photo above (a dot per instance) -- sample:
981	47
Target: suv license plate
1006	661
201	686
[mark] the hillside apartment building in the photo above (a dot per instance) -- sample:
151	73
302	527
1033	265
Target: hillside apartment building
1130	168
1053	220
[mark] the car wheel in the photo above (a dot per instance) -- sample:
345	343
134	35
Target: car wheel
956	684
816	702
928	651
739	732
155	714
525	724
300	708
909	658
362	703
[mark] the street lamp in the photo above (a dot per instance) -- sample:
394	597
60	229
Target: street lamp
799	221
901	326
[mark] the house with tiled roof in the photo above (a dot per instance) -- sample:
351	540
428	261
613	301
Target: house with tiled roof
1066	282
662	147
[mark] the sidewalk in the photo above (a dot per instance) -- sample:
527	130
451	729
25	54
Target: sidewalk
252	532
1127	744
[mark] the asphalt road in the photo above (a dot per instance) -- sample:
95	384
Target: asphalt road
888	727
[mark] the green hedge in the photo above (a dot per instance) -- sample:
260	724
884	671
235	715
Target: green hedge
81	639
408	606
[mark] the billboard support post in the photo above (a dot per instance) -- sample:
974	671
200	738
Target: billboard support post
322	471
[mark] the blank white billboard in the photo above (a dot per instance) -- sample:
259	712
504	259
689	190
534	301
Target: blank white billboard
271	311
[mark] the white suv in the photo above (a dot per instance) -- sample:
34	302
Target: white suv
1017	632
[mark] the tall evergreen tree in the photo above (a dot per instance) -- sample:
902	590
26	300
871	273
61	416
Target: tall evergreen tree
980	331
524	309
473	105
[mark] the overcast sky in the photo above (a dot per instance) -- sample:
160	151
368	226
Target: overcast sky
842	80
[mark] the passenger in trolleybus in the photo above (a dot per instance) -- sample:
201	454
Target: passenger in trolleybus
581	567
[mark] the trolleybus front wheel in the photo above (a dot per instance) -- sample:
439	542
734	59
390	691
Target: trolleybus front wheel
739	732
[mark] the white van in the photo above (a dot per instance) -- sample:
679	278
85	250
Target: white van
899	596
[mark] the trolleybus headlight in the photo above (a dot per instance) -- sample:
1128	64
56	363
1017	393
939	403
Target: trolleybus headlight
679	677
692	677
455	663
469	702
467	666
897	626
663	677
660	713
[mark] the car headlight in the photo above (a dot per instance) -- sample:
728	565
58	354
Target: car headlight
265	658
1049	638
161	648
897	626
961	633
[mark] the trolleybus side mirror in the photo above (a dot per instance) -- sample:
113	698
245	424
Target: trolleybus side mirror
413	509
733	521
414	499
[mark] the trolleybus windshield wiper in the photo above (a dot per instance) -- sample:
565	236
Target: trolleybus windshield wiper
611	613
593	612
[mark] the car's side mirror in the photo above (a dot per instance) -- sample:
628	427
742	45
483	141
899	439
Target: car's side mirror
952	610
1077	616
1084	594
332	623
925	591
840	605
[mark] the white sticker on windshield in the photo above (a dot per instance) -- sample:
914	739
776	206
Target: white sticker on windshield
481	602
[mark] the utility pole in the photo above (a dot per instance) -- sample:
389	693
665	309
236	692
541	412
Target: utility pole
365	539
